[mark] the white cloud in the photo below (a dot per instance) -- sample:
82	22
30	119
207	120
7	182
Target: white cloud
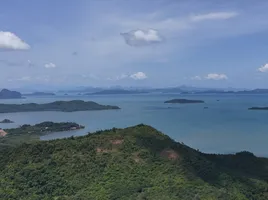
213	16
214	76
10	41
50	65
264	68
138	76
198	78
142	37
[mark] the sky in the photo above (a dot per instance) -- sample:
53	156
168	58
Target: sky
152	43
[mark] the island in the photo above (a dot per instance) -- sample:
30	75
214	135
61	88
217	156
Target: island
28	133
135	163
7	94
40	94
63	106
184	101
6	121
258	108
117	91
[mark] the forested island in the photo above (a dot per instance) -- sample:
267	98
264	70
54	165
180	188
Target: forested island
182	101
6	121
40	94
133	163
28	133
7	94
258	108
63	106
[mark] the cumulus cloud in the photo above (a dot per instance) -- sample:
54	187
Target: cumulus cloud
138	76
142	37
264	68
50	65
214	16
214	76
198	78
9	41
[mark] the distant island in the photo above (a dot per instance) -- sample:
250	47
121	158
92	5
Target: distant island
117	91
6	121
258	108
7	94
135	163
182	101
40	94
28	133
63	106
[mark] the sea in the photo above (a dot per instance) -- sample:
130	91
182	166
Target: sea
225	126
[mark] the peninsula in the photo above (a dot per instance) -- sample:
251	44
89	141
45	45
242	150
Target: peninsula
184	101
133	163
63	106
28	133
7	94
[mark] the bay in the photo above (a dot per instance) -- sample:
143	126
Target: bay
227	125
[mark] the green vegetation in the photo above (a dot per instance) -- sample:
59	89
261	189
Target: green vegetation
6	121
28	133
184	101
136	163
64	106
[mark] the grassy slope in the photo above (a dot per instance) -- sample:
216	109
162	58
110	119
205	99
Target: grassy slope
133	163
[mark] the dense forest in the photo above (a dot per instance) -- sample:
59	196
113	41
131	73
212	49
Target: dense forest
128	164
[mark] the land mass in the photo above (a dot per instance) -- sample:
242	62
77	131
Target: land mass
117	91
40	94
132	163
6	121
28	133
7	94
63	106
258	108
184	101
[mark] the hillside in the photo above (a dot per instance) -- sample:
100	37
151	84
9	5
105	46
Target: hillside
136	163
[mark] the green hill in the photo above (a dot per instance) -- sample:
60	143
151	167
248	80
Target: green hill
136	163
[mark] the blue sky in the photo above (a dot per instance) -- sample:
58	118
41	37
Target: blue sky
134	43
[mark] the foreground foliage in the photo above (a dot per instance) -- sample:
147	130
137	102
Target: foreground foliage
133	163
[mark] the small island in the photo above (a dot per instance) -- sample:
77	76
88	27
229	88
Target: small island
184	101
40	94
6	121
258	108
62	106
7	94
117	91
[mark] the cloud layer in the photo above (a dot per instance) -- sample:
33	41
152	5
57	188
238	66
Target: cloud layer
214	16
142	37
9	41
138	76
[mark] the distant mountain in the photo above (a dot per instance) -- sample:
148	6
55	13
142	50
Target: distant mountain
255	91
40	94
7	94
117	91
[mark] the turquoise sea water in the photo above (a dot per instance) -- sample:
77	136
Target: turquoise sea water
227	125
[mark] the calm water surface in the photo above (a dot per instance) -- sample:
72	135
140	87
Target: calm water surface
227	125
